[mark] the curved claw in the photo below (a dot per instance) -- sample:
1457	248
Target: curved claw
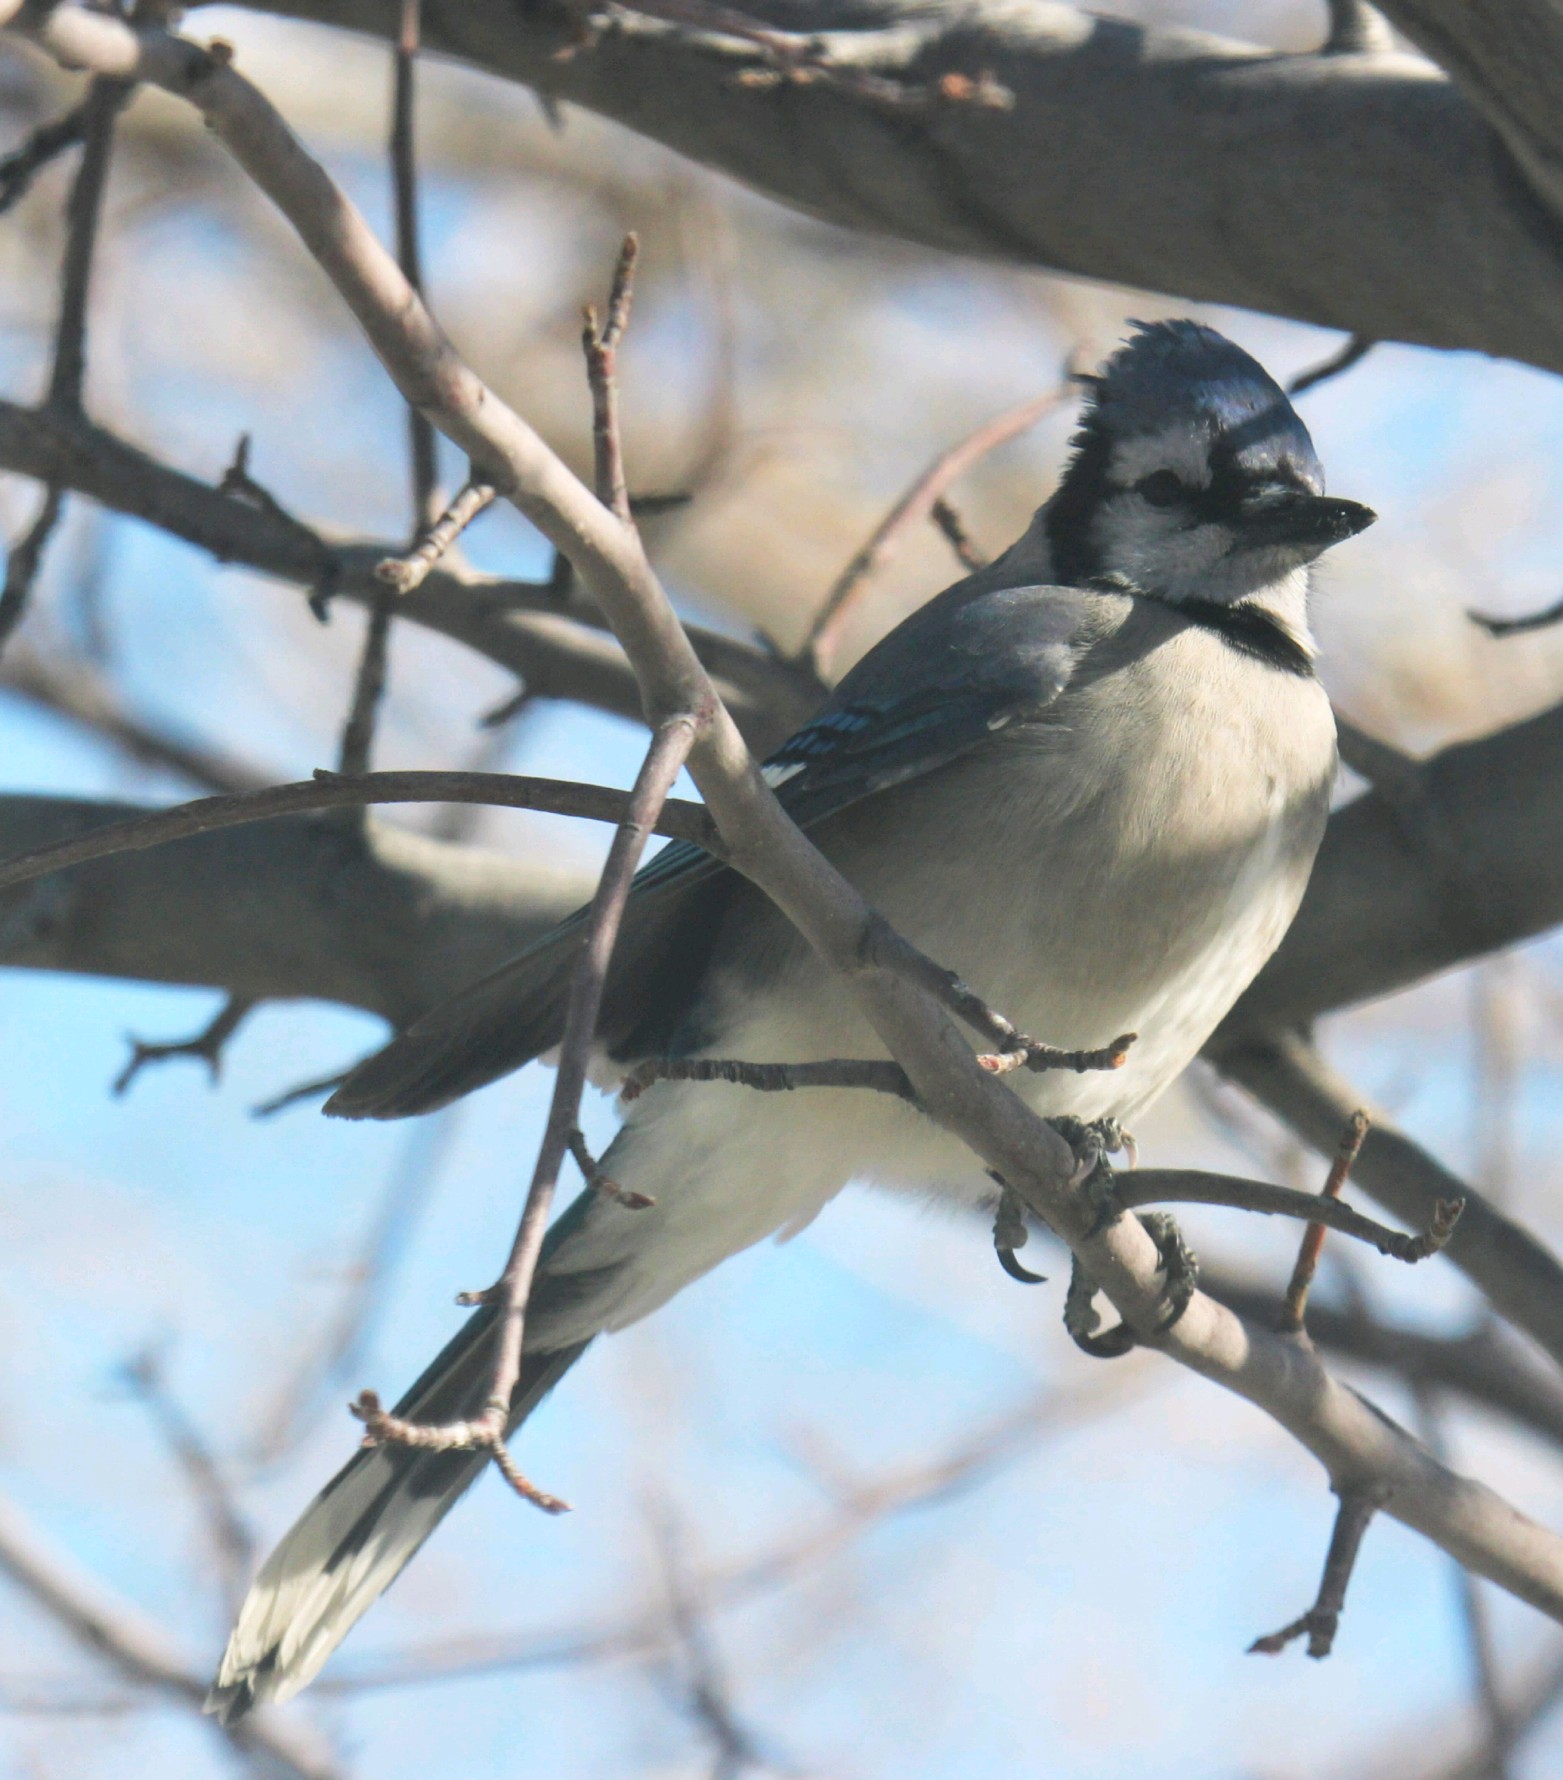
1013	1267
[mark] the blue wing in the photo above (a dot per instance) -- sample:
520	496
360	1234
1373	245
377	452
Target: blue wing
967	665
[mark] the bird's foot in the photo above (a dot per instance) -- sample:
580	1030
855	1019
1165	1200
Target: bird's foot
1179	1264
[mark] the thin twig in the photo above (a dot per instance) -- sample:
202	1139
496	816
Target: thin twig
605	1184
374	659
22	565
75	690
19	168
1041	1058
601	346
1475	1619
791	58
857	1505
405	573
1188	1186
1321	1621
1516	627
409	255
678	819
83	210
770	1078
206	1046
140	1650
703	1685
670	745
967	552
231	1537
1295	1308
331	1356
314	1089
916	505
1337	364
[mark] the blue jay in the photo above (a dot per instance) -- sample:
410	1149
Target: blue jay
1090	779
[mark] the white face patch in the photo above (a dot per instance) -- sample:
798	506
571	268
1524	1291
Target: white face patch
1184	451
1154	548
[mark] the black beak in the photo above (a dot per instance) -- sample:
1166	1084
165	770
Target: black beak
1305	521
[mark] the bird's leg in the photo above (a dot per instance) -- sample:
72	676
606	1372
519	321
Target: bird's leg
1093	1177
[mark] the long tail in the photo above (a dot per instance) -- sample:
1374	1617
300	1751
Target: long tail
367	1524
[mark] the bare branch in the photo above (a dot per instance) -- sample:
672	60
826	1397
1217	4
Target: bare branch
1294	1310
1135	126
140	1650
22	564
671	744
1518	627
47	143
78	692
1188	1186
231	1538
519	625
83	210
771	1078
405	573
206	1046
1352	353
1320	1622
329	791
918	504
1520	1278
605	1184
329	1358
601	346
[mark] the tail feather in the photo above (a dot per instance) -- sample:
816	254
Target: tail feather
370	1520
517	1012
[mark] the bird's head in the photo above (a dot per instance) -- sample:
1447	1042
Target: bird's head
1192	478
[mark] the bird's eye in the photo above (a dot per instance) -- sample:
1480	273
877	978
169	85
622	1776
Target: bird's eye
1162	488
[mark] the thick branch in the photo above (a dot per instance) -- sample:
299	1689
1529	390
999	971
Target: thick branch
1403	890
298	906
515	624
1365	183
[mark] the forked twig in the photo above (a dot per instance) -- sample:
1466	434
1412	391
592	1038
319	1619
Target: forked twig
405	573
1320	1623
206	1046
601	346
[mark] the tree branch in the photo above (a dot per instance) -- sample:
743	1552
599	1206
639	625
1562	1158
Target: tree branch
517	625
1381	179
140	1650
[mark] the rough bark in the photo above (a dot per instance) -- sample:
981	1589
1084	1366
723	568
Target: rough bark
1365	192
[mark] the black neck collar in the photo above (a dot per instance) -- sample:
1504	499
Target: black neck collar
1251	630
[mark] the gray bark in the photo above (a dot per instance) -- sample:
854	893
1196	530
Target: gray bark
373	917
1365	192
